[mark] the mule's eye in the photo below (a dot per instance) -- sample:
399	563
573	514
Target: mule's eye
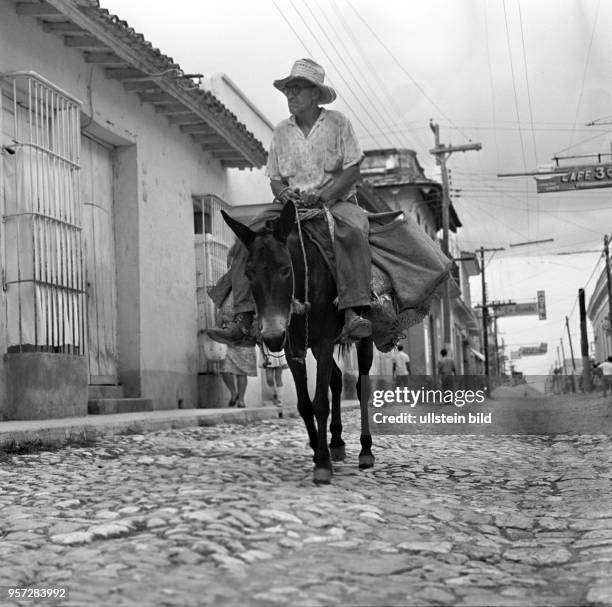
285	272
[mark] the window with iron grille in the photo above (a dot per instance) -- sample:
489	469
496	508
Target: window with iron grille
212	239
41	216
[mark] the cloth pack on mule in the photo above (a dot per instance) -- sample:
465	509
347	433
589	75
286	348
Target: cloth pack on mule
408	269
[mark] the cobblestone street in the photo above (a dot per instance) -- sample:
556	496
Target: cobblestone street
228	515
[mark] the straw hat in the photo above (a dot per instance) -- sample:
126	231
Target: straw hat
307	69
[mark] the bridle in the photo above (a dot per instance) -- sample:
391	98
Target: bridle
296	306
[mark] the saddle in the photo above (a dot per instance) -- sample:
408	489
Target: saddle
389	315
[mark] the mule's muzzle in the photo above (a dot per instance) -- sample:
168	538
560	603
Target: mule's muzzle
274	340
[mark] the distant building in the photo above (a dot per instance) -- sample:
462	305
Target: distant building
598	311
393	179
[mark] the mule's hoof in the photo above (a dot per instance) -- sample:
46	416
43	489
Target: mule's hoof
338	454
322	476
366	461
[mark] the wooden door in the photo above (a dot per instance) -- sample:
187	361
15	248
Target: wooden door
99	239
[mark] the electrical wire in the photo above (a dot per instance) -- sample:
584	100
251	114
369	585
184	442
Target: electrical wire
374	73
358	80
288	22
535	149
518	117
491	82
349	87
402	68
586	65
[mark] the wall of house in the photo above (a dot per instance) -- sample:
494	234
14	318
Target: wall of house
598	311
248	186
157	170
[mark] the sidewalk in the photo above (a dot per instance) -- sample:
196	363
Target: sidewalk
58	432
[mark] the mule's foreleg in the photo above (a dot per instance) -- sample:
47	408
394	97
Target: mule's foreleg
325	360
304	404
364	361
336	444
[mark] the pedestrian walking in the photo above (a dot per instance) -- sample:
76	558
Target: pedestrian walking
274	364
606	373
239	363
401	367
446	369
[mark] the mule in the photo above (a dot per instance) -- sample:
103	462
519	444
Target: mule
283	268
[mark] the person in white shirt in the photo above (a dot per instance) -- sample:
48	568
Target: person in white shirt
606	371
401	367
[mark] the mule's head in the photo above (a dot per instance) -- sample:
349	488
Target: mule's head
270	274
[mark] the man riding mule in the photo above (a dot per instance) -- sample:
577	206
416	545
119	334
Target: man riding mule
279	260
284	264
313	161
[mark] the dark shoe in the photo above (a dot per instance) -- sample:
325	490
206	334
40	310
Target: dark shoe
236	333
232	402
355	326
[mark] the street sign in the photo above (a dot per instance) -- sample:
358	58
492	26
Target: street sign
517	309
582	177
533	350
541	305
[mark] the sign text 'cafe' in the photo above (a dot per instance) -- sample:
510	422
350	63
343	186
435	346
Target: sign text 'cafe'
576	178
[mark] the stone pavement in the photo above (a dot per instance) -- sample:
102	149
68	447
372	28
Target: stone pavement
57	432
228	515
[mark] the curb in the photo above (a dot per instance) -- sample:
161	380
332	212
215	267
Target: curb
53	433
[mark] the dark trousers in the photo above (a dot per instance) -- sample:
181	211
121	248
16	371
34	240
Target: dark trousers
351	250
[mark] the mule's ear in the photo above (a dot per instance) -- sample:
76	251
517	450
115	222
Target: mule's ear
244	233
284	224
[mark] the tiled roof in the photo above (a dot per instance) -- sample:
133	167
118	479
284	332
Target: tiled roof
108	41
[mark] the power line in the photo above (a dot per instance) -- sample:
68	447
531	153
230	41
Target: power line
516	104
383	86
491	84
312	55
349	69
338	71
399	64
535	150
586	65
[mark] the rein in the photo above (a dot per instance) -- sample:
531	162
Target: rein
298	221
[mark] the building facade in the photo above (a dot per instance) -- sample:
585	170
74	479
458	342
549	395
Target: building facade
398	181
598	311
111	155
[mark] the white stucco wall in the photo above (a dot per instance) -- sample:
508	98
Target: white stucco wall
169	170
250	186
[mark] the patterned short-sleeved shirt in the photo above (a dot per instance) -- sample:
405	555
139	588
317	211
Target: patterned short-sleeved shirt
308	163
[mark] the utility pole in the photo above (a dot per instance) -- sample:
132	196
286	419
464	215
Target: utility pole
569	337
584	343
566	384
563	355
485	311
607	259
442	152
496	345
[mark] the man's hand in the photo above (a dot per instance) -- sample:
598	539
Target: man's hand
289	195
312	199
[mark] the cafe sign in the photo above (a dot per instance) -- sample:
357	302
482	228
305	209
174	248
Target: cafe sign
533	350
583	177
517	309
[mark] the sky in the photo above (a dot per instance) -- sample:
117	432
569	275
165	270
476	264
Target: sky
521	77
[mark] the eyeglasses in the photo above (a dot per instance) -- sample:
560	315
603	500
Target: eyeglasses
296	89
